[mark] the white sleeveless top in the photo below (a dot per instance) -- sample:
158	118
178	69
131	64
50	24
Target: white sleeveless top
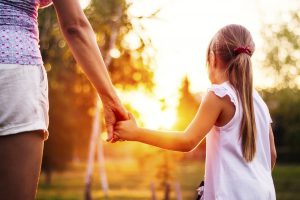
227	175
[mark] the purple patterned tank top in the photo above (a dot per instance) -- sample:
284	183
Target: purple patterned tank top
19	36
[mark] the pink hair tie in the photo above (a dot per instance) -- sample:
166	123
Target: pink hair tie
240	50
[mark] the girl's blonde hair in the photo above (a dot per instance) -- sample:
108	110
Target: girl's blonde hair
234	46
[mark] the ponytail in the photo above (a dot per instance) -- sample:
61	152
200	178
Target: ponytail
240	76
234	46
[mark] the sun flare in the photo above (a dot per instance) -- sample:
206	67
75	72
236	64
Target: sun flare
153	112
84	3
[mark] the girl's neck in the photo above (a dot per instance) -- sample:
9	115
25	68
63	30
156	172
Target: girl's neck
220	78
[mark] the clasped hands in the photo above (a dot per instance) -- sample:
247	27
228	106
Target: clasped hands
120	124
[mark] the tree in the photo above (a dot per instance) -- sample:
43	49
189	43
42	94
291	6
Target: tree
282	55
187	107
71	95
282	50
284	105
186	111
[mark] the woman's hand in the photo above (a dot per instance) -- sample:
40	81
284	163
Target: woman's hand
127	130
113	112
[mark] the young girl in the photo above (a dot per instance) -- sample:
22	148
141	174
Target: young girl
240	150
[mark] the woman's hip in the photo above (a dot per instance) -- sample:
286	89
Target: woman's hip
23	98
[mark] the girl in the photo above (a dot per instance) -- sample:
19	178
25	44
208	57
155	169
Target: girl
240	150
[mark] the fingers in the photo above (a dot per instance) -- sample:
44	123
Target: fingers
117	134
110	132
119	124
115	139
120	139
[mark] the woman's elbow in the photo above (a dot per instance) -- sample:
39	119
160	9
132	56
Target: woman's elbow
75	28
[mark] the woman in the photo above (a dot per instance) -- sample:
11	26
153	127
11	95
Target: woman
24	91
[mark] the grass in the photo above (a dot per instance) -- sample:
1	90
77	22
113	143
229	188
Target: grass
128	181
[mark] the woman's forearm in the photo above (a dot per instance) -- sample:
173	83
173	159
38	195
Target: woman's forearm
82	42
176	141
81	38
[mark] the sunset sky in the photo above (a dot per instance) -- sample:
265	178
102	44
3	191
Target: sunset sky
181	35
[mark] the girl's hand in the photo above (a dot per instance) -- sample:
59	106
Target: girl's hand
127	130
113	112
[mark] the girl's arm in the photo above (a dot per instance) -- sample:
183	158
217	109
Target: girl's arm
185	141
273	148
82	42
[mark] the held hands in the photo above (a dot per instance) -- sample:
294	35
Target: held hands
113	112
127	130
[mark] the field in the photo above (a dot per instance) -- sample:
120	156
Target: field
127	181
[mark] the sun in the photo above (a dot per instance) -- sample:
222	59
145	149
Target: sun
153	113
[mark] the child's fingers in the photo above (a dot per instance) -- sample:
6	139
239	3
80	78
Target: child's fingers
115	139
119	125
117	134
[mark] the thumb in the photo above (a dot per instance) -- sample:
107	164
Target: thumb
131	117
121	113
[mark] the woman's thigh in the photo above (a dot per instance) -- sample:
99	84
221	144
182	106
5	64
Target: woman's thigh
20	164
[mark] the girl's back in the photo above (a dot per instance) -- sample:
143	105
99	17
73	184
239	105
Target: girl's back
228	175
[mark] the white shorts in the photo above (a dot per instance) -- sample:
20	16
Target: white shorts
23	99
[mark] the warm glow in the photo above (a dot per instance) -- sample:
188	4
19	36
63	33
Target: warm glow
131	41
84	3
153	113
184	29
115	53
181	35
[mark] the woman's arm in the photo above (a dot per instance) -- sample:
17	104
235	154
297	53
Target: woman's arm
185	141
82	42
272	148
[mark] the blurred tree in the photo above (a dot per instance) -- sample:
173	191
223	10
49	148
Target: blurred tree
284	105
167	160
186	111
70	93
282	50
282	58
187	107
165	171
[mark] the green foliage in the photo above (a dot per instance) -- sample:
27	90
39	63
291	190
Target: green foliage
71	96
132	67
284	105
282	50
282	58
129	183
